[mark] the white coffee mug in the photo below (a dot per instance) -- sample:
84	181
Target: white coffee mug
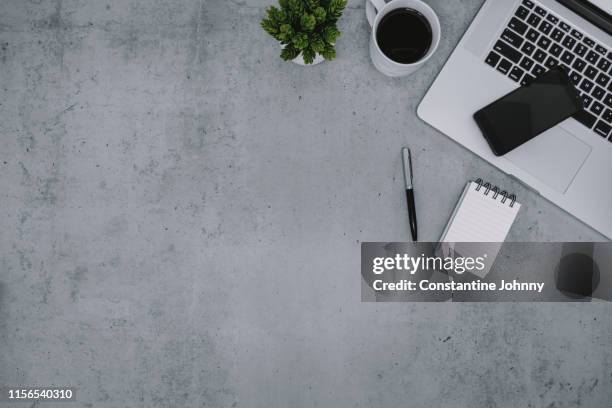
385	64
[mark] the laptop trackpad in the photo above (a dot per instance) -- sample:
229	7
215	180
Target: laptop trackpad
554	157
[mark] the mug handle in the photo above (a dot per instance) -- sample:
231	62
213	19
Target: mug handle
378	5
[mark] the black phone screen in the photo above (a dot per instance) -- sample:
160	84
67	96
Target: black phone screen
528	111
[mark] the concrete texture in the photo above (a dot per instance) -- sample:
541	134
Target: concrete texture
182	211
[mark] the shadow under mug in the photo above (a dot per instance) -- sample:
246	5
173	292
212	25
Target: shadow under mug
383	63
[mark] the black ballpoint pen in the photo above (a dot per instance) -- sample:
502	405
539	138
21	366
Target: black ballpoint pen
407	162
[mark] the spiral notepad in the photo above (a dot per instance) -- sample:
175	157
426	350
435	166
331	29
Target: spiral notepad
484	213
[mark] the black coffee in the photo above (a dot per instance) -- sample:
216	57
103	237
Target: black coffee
404	35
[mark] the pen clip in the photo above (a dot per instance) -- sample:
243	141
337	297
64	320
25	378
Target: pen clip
407	164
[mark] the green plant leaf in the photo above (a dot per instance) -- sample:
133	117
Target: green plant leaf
287	29
337	5
285	32
296	7
320	14
308	22
329	53
331	34
269	27
309	55
335	8
318	45
300	41
312	4
289	52
273	14
271	11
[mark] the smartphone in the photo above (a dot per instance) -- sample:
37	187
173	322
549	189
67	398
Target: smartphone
528	111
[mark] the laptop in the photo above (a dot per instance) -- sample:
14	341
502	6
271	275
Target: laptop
508	43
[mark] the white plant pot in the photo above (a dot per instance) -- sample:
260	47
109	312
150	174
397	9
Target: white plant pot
300	60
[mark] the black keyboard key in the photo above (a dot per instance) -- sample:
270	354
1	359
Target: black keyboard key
589	42
516	74
528	48
517	25
551	62
575	78
586	118
539	10
586	85
527	3
602	79
504	66
567	57
576	34
521	12
526	63
512	38
533	20
564	67
564	26
598	93
592	57
586	100
604	64
538	70
590	72
539	56
579	65
602	129
580	49
527	79
555	50
544	43
532	35
569	42
552	19
600	49
557	35
608	100
507	51
492	59
545	27
596	108
607	116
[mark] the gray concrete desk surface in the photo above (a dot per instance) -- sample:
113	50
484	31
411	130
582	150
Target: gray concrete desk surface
182	211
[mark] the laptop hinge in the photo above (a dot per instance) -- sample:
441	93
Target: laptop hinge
591	13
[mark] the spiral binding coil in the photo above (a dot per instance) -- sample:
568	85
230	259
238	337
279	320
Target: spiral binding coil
488	187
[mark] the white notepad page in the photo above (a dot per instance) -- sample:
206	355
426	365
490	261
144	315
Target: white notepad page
479	217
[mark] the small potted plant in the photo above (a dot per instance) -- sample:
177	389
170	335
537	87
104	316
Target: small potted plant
306	29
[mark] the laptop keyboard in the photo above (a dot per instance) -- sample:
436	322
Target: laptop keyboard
536	40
